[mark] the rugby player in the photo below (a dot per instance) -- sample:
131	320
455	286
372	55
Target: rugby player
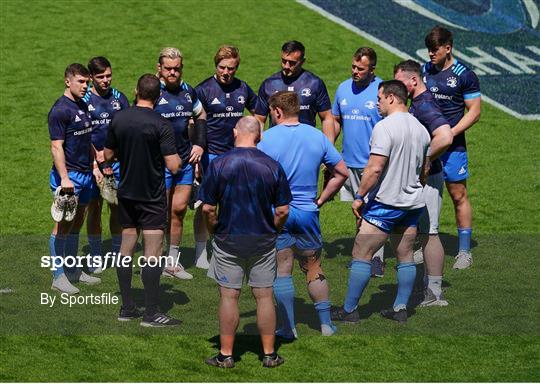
103	102
391	186
310	89
355	112
425	109
70	129
178	103
456	89
252	193
224	98
301	149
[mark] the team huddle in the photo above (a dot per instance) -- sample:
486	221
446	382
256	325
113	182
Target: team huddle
255	191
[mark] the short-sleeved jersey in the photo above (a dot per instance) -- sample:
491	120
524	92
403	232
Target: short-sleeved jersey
300	149
245	184
102	110
224	105
451	87
404	141
357	108
178	107
140	138
70	121
310	89
426	110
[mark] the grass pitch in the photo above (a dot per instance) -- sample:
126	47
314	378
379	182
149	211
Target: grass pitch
489	332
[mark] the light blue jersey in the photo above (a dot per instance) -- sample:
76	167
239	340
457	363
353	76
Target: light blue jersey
300	149
357	109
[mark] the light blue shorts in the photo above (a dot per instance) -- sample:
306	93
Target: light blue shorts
302	231
183	177
82	181
386	218
456	166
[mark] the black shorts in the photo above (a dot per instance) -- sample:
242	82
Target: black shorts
142	214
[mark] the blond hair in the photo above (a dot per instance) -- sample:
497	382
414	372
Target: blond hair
227	52
170	53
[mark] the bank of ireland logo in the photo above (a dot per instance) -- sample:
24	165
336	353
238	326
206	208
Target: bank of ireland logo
306	92
451	82
434	89
229	108
355	111
370	104
103	115
179	107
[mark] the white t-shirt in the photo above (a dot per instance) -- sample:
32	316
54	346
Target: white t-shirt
405	141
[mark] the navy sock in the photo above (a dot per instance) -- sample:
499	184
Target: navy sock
358	279
464	236
72	247
284	295
406	275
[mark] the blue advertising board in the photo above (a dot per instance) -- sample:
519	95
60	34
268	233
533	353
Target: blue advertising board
498	39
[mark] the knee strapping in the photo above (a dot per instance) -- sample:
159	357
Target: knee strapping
311	266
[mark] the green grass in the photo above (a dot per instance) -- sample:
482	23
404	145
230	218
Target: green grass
489	333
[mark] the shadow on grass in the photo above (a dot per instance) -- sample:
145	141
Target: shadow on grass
342	247
168	297
245	343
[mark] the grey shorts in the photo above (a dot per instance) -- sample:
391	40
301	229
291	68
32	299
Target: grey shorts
229	270
350	188
432	193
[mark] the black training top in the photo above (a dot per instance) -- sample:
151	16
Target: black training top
140	138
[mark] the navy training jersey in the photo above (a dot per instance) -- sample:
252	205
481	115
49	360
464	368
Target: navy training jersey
102	110
178	107
224	105
309	88
246	184
451	87
70	121
426	110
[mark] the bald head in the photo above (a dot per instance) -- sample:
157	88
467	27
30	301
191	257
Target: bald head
247	132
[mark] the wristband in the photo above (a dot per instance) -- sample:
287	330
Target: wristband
200	133
358	196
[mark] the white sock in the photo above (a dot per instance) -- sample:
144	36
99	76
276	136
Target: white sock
173	252
435	284
380	253
200	249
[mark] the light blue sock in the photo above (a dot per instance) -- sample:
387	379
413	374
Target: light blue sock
284	295
323	309
56	248
116	242
464	236
406	275
72	247
358	279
